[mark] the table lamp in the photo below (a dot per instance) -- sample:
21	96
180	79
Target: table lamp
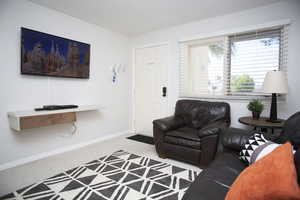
275	83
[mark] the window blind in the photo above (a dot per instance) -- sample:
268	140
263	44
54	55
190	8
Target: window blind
251	56
232	65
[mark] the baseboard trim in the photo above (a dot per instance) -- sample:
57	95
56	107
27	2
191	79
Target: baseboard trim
59	151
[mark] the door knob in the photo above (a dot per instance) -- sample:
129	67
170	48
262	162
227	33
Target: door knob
164	91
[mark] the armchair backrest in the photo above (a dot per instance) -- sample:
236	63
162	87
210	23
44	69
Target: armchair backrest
197	114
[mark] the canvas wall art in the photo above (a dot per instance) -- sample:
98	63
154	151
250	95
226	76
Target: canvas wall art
49	55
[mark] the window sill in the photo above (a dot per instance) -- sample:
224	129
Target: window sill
236	98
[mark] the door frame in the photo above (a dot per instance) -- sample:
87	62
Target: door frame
134	73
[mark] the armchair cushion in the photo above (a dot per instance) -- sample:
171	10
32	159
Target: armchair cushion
211	129
185	133
169	123
184	136
208	131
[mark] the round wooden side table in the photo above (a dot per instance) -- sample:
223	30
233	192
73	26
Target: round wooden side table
261	123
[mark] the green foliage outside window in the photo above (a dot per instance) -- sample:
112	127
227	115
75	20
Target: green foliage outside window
217	49
242	83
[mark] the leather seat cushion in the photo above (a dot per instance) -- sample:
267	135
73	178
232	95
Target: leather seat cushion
215	181
184	136
225	168
205	189
185	133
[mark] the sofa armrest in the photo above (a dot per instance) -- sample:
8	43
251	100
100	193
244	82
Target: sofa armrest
168	123
212	129
235	138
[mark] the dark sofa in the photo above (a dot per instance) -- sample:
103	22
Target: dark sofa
191	135
215	181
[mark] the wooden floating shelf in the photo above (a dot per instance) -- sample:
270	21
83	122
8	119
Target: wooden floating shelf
21	120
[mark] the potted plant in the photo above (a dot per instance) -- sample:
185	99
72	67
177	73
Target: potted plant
256	107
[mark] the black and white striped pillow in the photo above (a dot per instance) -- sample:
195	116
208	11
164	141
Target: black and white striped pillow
256	147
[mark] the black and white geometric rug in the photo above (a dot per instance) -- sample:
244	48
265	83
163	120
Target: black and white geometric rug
120	176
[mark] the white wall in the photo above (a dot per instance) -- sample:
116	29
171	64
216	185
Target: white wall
23	92
278	11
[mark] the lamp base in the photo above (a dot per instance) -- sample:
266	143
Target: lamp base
273	112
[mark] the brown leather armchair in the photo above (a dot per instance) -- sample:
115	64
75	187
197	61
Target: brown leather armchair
191	135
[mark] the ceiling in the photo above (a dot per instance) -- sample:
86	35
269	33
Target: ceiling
134	17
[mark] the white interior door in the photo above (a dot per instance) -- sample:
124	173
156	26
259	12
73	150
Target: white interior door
150	78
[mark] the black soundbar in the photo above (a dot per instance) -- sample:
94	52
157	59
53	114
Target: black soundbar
55	107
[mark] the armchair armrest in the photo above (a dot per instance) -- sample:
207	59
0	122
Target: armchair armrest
160	127
168	123
212	129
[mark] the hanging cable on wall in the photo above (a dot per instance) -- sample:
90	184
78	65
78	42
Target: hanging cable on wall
74	128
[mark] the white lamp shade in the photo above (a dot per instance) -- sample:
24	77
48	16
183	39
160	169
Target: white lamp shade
275	82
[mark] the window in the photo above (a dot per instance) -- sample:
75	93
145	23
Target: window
203	65
231	65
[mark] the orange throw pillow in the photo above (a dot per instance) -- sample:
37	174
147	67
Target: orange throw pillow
270	178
